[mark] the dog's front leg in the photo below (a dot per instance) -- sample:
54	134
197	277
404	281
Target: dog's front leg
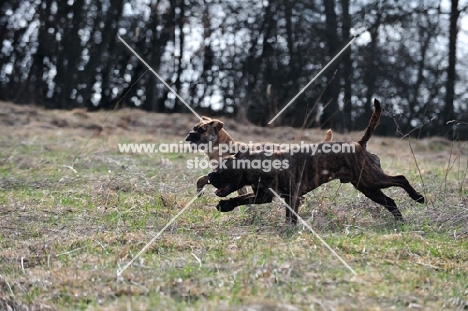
202	181
229	204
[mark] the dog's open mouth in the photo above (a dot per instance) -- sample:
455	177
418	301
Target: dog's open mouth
224	191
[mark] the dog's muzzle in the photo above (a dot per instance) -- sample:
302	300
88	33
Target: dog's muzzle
192	136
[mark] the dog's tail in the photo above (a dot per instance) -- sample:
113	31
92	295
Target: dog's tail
373	122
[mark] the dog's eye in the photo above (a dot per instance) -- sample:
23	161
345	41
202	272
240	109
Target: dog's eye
201	130
195	128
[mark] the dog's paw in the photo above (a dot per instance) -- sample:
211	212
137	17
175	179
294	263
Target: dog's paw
225	206
420	199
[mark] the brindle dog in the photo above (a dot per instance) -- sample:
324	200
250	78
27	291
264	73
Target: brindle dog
306	172
212	131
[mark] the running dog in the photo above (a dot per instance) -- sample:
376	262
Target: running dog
307	171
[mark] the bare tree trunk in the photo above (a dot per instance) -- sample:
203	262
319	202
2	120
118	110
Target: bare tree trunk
332	91
447	113
347	68
70	55
178	106
110	18
370	73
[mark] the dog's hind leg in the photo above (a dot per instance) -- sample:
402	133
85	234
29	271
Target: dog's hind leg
404	183
387	181
378	196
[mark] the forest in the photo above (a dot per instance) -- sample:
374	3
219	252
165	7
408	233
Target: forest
245	60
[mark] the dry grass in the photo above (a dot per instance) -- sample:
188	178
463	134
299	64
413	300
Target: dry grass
73	210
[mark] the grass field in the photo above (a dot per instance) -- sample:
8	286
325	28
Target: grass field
73	210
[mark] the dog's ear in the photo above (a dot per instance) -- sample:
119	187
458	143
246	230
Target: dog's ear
216	124
328	136
205	118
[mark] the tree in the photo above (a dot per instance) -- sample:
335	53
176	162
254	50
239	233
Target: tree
448	111
347	65
330	96
240	58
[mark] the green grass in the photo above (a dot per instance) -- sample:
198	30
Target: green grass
66	230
